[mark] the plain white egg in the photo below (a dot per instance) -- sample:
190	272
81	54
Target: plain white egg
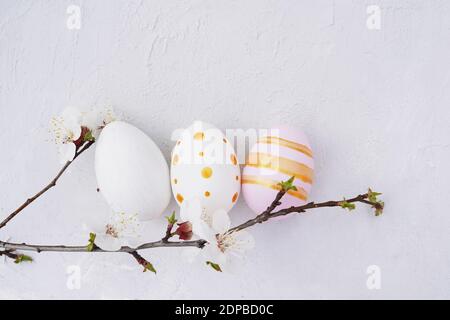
132	173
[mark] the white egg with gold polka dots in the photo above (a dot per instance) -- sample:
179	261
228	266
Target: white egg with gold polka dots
204	166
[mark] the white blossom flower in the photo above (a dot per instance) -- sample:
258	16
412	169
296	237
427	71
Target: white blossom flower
70	128
227	246
66	130
97	119
214	227
66	127
204	224
122	230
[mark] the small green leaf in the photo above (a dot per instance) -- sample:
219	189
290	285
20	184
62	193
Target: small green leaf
372	195
213	265
377	204
91	244
23	258
288	185
149	266
171	219
347	205
88	136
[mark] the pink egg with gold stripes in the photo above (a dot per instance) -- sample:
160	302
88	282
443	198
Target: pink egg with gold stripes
277	156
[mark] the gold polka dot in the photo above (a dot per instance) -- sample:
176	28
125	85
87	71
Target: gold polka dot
237	178
207	172
180	198
199	136
175	181
233	159
178	142
235	196
224	140
201	154
207	193
175	159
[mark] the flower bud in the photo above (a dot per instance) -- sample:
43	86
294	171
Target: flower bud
184	230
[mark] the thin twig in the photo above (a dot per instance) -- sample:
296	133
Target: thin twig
47	187
169	233
269	214
63	248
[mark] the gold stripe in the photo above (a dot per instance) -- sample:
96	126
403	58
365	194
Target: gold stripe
283	165
269	183
288	144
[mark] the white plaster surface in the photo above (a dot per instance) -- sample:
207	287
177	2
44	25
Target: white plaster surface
374	103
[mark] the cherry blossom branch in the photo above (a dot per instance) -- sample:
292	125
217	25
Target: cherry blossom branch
366	198
125	249
47	187
346	204
184	229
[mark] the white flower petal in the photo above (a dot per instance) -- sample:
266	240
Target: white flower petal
132	242
221	221
226	248
238	243
91	119
202	229
66	152
127	225
74	131
107	242
184	211
191	209
107	116
244	240
211	252
71	114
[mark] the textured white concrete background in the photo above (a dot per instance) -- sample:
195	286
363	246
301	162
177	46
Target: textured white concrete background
375	104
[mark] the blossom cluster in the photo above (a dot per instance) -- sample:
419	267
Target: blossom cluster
214	227
73	128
